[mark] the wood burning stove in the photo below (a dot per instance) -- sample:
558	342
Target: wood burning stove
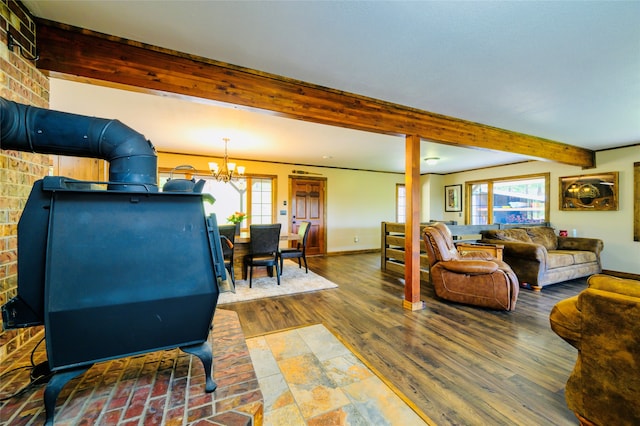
111	269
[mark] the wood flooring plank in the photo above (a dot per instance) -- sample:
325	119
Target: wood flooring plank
461	365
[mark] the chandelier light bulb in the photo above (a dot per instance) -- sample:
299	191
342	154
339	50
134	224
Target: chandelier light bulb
227	172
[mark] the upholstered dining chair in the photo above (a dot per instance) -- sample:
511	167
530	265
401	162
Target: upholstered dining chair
263	249
300	251
472	279
228	238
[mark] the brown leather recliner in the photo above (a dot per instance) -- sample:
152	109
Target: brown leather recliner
473	279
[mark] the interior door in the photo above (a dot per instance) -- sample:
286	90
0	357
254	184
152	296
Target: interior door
307	203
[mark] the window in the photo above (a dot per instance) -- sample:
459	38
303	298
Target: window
254	196
401	203
261	200
479	204
509	200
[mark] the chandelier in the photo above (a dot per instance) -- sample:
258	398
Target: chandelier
228	172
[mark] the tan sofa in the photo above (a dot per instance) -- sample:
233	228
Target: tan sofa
539	257
603	324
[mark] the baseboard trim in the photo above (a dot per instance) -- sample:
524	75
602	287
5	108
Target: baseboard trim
618	274
340	253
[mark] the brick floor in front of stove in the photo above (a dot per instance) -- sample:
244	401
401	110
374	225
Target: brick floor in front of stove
161	387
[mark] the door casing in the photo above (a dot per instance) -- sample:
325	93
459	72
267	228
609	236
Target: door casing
307	202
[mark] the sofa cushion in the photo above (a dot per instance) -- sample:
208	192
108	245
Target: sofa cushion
543	235
558	259
514	234
584	256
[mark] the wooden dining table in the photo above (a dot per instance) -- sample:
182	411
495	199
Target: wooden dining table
241	249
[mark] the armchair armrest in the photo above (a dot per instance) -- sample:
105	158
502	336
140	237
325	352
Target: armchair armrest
471	267
575	243
615	285
566	321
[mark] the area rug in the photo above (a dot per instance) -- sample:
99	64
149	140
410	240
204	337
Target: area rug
293	280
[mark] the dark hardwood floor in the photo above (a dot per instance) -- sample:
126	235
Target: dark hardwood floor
458	364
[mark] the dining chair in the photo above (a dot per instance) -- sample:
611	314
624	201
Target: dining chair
300	251
263	249
228	235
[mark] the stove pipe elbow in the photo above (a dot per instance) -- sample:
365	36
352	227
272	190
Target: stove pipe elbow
132	158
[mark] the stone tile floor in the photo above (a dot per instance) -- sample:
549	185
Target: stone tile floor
308	377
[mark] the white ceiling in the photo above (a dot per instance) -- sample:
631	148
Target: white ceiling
564	70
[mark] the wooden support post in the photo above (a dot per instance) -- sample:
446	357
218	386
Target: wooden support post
412	226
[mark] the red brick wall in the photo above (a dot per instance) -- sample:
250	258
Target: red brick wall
20	81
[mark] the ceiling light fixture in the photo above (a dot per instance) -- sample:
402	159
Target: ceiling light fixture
431	161
228	172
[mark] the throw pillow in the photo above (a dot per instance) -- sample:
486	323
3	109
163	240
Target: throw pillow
543	235
513	234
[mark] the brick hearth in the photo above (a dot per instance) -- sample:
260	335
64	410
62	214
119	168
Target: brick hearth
163	387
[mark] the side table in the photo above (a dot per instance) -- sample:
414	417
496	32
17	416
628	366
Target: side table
495	250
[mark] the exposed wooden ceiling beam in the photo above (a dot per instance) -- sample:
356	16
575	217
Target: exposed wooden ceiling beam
82	53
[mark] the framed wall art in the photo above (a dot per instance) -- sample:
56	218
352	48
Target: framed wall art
596	192
453	198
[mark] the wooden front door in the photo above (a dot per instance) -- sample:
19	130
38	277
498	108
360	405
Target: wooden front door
306	201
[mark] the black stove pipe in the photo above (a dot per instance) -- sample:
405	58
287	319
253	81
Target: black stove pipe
132	158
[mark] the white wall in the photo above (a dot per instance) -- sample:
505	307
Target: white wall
432	198
615	228
357	201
